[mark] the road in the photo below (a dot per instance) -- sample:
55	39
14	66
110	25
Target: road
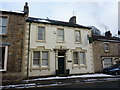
105	84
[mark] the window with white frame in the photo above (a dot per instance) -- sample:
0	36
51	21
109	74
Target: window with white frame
107	62
3	24
75	57
36	58
60	35
106	47
82	58
3	58
41	33
44	58
40	58
79	58
77	36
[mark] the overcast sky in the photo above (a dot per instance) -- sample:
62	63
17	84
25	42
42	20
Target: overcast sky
101	14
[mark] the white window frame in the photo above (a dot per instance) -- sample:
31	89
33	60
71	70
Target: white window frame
63	36
79	59
40	60
78	36
5	58
44	33
107	63
5	25
108	47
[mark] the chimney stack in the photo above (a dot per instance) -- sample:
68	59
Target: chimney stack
26	9
108	34
72	20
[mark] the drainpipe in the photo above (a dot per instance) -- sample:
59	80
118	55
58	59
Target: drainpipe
28	49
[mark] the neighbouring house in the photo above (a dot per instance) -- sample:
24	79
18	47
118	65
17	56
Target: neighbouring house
57	48
106	51
12	28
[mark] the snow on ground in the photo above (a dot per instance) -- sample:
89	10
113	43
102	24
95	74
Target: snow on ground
73	76
88	80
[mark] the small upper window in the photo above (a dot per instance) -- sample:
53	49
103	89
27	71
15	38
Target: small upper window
77	36
60	35
3	24
106	47
41	33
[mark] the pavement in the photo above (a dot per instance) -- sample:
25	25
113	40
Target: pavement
59	81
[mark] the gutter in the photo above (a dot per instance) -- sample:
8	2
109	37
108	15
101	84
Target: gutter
28	49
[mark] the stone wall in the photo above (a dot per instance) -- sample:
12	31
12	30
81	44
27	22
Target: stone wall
15	35
98	53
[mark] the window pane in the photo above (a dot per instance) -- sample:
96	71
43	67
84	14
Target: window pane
82	58
106	47
4	21
44	62
75	56
2	30
45	55
60	35
36	58
44	58
2	57
41	33
60	38
107	62
77	36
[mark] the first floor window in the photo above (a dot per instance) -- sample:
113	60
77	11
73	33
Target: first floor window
60	36
107	62
40	58
106	47
3	24
77	36
41	33
3	58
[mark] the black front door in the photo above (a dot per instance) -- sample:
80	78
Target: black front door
61	62
61	65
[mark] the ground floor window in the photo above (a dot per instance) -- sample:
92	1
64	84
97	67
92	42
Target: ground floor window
3	57
40	58
79	58
107	62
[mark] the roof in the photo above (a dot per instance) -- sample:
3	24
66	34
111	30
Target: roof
54	22
12	12
106	39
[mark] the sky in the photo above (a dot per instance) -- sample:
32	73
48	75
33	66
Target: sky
101	14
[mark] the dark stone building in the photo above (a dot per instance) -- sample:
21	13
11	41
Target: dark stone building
106	51
12	28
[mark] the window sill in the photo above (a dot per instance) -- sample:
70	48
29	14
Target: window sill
106	51
83	66
42	41
3	35
60	42
78	43
40	68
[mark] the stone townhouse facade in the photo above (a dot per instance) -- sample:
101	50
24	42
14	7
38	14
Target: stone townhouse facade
55	47
12	28
106	51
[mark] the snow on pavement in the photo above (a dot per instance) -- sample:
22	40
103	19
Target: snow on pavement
73	76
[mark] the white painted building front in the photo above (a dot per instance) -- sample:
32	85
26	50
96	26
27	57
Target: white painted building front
56	48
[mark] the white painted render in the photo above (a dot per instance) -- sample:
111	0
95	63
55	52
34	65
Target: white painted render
51	43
